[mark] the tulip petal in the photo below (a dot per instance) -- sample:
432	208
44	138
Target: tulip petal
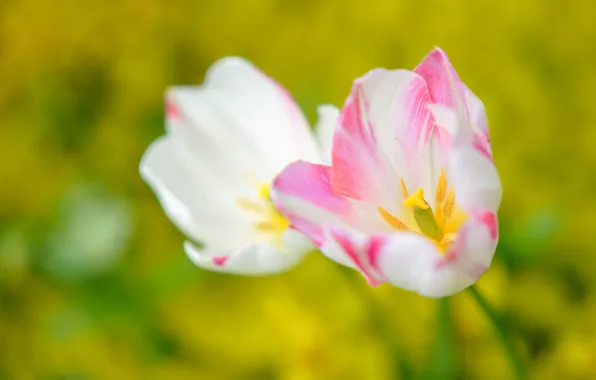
356	250
478	120
198	202
197	120
302	193
413	262
380	126
444	84
447	90
255	259
324	129
475	179
264	108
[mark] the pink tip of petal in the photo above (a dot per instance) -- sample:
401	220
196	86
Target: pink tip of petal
172	111
220	261
373	249
362	257
490	220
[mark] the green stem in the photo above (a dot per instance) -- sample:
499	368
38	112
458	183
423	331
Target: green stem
402	367
503	333
444	364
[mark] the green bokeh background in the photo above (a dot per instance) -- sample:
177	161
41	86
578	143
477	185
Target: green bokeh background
93	280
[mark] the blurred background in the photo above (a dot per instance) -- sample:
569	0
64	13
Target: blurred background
93	280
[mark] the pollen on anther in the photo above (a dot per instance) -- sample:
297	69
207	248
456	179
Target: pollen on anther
441	187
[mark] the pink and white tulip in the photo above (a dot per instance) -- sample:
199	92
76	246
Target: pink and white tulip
225	141
412	194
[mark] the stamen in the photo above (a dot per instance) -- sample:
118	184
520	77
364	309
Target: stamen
441	187
274	225
404	190
417	200
439	217
252	206
449	202
391	220
268	221
264	191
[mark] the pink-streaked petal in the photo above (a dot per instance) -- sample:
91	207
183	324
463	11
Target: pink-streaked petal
489	219
255	259
355	159
472	252
311	183
302	193
380	129
475	180
359	250
412	262
447	90
444	84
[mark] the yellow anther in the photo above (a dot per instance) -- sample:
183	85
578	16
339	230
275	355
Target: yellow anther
441	187
268	220
404	190
439	217
391	220
277	224
417	200
264	191
252	206
449	202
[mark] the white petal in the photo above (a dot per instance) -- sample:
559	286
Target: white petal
264	108
445	117
473	252
200	203
476	111
324	129
255	259
475	179
209	131
413	262
431	161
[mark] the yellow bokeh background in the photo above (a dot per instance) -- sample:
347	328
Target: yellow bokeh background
93	280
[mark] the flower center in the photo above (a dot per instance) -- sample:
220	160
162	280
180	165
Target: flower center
439	225
268	220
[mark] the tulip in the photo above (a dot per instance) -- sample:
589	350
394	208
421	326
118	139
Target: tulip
412	192
225	141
